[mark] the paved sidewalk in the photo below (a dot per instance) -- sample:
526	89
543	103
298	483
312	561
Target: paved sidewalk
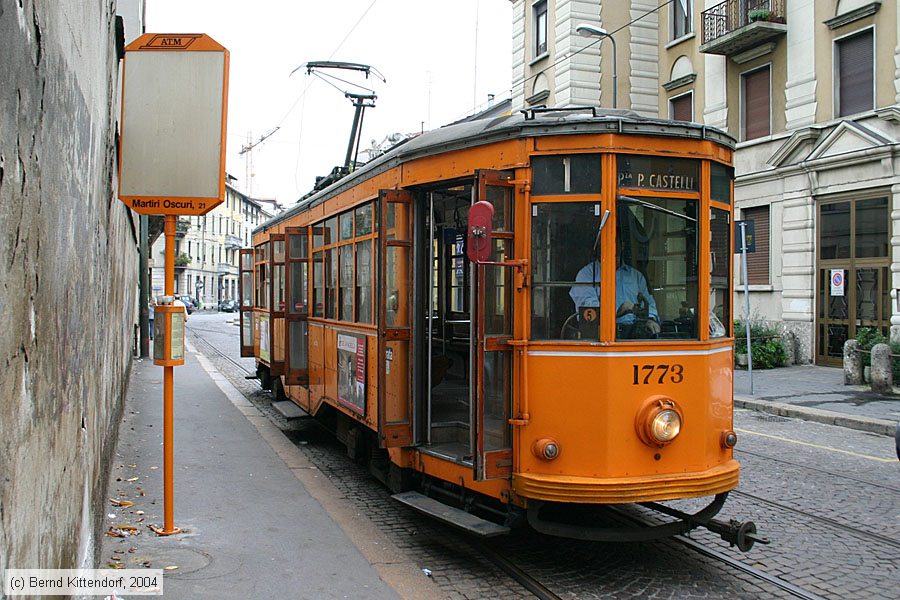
817	394
252	527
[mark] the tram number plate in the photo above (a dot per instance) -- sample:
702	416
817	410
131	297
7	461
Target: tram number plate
649	374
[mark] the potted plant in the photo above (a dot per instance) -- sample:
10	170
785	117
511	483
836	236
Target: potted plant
761	14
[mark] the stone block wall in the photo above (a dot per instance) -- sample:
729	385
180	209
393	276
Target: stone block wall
68	272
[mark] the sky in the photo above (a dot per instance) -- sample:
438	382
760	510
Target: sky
441	60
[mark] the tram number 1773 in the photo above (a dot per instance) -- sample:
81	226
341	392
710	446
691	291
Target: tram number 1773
647	374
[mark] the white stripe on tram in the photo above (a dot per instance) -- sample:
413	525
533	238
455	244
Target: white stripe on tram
626	354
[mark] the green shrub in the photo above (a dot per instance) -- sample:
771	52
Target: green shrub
768	350
867	338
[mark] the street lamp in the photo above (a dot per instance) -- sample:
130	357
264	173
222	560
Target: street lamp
585	30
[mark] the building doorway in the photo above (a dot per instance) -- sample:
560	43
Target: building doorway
853	285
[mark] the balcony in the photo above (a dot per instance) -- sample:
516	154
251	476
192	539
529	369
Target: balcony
233	242
738	25
227	269
182	226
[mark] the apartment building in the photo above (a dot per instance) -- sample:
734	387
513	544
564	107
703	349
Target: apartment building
810	90
207	249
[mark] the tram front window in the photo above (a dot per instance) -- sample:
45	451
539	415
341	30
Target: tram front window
564	237
657	248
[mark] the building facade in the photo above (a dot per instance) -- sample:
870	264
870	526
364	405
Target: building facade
207	249
810	90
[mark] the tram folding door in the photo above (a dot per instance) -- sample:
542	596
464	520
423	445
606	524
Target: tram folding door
491	334
395	297
246	295
296	286
276	304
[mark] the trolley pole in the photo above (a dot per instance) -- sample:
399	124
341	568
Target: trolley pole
746	302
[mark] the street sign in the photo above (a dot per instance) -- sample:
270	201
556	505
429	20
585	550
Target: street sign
837	282
751	236
174	109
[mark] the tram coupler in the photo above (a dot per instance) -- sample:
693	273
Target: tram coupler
737	533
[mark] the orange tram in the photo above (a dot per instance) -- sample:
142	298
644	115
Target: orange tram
517	319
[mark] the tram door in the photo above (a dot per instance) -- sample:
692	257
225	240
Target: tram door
492	330
395	313
246	308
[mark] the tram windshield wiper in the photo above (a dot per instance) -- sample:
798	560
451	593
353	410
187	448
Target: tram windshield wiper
651	206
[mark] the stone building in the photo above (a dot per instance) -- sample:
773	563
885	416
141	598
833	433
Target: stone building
207	249
810	90
68	276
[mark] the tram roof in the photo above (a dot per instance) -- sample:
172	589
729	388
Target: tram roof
525	123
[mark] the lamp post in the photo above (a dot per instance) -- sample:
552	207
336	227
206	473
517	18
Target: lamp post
585	30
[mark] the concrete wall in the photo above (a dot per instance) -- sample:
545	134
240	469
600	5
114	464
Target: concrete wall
68	267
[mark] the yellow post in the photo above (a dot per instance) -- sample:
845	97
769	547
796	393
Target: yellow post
168	398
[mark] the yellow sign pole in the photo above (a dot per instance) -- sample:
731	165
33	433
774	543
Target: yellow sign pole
168	397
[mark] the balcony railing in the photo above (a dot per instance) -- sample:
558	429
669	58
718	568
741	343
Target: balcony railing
233	241
736	25
227	269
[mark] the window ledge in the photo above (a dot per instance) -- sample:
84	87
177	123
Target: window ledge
681	81
538	59
853	15
683	38
754	287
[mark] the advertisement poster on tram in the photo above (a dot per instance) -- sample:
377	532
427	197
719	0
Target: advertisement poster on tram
351	371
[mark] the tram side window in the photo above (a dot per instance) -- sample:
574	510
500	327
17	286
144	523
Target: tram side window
563	244
657	267
720	273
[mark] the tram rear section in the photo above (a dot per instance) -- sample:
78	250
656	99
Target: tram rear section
517	317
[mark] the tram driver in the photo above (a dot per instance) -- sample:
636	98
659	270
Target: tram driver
636	314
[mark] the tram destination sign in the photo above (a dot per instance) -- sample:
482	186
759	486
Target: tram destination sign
658	173
174	110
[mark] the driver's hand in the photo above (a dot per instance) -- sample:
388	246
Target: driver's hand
625	308
653	326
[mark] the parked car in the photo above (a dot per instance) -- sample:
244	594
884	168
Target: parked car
190	305
227	306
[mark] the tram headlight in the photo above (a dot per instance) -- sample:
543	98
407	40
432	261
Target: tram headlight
665	425
659	421
545	448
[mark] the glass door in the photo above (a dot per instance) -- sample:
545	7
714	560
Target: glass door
395	296
492	330
853	275
296	367
246	295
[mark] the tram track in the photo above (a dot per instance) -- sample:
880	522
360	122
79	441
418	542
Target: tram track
819	470
827	520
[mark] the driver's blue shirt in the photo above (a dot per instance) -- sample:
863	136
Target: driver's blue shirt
629	282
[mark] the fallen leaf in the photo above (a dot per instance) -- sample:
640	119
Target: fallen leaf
115	558
113	565
139	512
118	552
121	502
132	479
146	563
171	568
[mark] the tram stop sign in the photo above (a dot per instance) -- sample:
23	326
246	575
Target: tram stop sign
751	236
174	109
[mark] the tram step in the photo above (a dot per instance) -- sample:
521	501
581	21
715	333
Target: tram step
450	515
289	410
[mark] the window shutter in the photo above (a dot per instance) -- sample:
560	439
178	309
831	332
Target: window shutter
756	104
683	108
758	262
855	72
